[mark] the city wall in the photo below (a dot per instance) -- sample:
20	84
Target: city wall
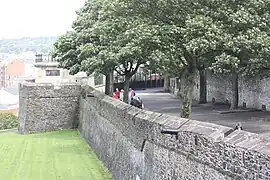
253	93
138	144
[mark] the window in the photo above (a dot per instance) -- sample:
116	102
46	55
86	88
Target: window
52	72
98	79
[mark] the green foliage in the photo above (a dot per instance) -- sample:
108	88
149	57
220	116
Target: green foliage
177	37
66	52
8	121
244	47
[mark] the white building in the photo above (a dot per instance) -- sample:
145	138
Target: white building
47	71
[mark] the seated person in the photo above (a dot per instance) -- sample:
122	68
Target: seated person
137	102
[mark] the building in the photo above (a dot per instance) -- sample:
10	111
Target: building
16	68
48	71
9	71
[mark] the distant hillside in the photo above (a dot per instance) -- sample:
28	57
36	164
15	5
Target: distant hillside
35	44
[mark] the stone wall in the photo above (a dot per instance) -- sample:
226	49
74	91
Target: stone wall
134	144
138	144
254	93
46	107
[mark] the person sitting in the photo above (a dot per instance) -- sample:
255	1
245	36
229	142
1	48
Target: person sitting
137	102
117	92
115	96
131	93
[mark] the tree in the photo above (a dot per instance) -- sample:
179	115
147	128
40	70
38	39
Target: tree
128	40
246	41
206	33
93	54
104	42
66	52
187	32
81	50
167	65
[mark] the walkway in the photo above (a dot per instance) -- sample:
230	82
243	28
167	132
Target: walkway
158	101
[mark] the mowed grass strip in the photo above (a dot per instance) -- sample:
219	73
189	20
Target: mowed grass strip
61	155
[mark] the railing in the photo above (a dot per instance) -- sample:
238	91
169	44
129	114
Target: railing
43	58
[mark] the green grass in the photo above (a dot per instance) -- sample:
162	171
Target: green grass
50	156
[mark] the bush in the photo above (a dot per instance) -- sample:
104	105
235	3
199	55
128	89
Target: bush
8	121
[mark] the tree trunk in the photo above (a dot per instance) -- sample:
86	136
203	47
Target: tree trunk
109	84
178	86
187	86
126	89
203	88
166	83
235	94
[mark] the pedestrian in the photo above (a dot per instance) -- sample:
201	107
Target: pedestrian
115	96
131	93
117	92
137	102
122	95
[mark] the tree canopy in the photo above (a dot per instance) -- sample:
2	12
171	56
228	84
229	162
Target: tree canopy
179	37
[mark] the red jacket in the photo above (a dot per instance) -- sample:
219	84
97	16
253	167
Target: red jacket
118	93
115	96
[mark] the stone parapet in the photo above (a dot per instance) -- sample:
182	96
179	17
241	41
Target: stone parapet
136	143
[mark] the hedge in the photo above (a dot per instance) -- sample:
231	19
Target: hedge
8	121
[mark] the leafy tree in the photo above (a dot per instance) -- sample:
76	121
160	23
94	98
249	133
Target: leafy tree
66	52
104	42
187	33
246	40
93	53
128	42
81	49
167	66
212	33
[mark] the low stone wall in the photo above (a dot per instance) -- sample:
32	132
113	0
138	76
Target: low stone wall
135	145
47	107
254	94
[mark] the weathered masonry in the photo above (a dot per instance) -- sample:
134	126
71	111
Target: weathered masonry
252	93
137	144
45	107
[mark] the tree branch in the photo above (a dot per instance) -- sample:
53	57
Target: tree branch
136	68
121	74
131	67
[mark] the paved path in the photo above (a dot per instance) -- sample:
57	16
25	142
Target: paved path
158	101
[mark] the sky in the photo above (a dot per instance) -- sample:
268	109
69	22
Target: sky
32	18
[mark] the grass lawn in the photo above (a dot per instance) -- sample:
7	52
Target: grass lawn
50	156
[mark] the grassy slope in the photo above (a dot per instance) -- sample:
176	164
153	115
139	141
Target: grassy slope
49	156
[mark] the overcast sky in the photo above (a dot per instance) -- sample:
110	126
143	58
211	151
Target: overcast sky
26	18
